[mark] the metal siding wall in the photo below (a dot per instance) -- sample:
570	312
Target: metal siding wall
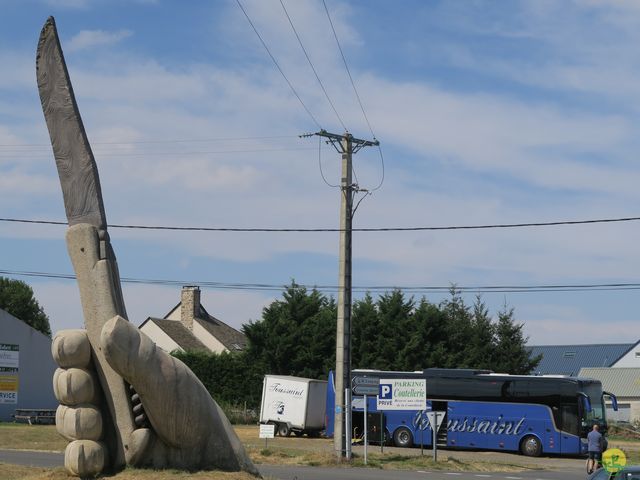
36	366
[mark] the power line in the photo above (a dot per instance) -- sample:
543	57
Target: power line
144	154
355	90
136	142
346	66
312	67
370	288
382	176
277	65
361	229
320	164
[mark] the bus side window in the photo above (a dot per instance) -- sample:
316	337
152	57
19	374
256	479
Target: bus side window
506	390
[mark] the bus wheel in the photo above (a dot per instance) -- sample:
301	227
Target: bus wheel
402	437
530	446
284	430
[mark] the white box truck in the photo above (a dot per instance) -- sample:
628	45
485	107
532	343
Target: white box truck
294	405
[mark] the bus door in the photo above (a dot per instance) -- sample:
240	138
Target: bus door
441	434
570	425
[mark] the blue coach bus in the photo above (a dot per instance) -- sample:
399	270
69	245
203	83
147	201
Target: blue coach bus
483	410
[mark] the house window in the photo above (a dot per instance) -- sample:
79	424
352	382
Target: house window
637	354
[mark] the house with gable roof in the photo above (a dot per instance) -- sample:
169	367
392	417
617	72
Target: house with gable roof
569	359
188	327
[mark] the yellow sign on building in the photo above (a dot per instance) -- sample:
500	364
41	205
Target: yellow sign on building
9	367
9	383
613	460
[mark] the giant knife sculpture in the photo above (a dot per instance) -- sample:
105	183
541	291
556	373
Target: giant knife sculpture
87	236
181	426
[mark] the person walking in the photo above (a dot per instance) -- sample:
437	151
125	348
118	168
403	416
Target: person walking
595	444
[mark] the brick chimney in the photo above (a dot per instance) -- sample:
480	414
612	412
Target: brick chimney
189	305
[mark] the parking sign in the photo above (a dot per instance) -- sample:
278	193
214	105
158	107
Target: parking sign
402	394
385	391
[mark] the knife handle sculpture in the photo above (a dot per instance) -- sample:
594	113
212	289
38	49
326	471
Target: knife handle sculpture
169	420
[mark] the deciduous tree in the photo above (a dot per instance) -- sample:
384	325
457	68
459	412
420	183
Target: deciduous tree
17	298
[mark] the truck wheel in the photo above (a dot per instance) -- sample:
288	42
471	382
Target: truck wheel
284	430
531	446
403	437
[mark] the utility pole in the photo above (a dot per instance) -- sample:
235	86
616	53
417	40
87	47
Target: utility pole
346	145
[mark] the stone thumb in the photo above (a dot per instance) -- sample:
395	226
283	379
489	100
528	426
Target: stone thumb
174	400
129	352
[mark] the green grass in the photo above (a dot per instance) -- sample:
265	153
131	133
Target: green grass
19	436
16	472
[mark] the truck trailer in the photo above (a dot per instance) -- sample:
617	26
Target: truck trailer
293	404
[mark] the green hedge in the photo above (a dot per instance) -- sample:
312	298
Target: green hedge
231	378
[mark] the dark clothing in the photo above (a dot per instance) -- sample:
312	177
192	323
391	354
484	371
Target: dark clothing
595	456
595	442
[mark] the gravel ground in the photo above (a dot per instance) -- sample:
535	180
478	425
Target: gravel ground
543	462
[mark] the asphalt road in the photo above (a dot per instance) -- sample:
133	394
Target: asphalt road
55	459
322	473
32	458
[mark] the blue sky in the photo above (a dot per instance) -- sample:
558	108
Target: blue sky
488	112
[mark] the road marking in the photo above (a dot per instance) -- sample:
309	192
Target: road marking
452	473
481	475
514	478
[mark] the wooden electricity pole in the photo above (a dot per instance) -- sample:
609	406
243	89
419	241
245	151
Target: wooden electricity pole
346	145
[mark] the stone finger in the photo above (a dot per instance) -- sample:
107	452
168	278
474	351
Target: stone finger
85	458
75	386
80	423
71	348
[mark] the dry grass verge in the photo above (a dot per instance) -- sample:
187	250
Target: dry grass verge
280	451
15	472
20	436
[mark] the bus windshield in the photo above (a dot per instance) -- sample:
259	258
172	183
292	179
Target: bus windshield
596	415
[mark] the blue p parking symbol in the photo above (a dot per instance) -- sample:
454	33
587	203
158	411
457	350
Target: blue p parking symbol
386	392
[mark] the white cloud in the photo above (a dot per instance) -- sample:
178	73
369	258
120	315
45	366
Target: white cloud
81	4
87	39
556	323
452	157
26	184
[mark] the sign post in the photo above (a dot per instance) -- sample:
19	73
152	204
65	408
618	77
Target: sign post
435	420
267	431
363	385
365	429
435	438
347	426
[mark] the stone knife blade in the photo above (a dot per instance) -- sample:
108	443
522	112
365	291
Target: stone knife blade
74	159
